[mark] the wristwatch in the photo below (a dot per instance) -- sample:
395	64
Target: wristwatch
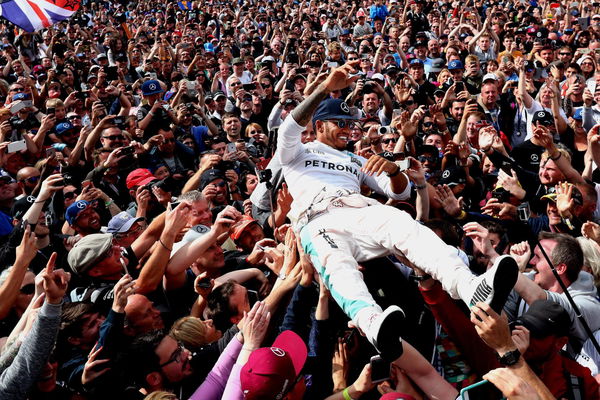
509	358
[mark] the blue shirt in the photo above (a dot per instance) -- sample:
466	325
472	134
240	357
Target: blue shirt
378	11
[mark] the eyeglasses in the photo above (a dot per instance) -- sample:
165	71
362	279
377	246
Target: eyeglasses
175	357
17	89
220	184
74	117
428	124
255	132
129	232
409	102
390	140
266	85
28	289
31	179
353	59
69	195
343	123
236	83
565	54
114	137
587	63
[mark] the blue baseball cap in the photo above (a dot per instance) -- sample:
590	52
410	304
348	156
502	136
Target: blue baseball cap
151	87
416	61
578	115
333	109
455	64
122	222
74	210
20	96
64	127
209	47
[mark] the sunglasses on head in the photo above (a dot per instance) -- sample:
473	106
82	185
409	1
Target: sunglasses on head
28	289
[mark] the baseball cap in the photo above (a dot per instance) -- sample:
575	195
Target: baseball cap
238	228
237	60
271	372
390	69
88	251
378	77
194	233
64	127
416	61
139	177
529	65
549	197
452	176
151	87
333	109
545	318
101	56
74	209
360	13
543	117
218	94
437	64
21	206
455	64
122	222
396	396
267	59
209	47
578	115
210	175
489	77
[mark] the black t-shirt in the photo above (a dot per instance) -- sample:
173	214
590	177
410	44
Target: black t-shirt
160	119
528	155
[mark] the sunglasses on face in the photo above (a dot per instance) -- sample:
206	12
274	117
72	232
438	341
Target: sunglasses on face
427	124
31	179
28	289
409	102
390	140
172	140
70	195
114	137
425	158
255	132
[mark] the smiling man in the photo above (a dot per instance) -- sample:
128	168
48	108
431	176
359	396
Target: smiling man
83	218
339	227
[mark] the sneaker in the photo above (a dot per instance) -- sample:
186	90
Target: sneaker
494	286
384	332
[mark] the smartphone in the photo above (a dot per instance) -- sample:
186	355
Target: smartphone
190	85
404	164
396	113
13	147
128	150
118	121
480	390
203	283
111	73
301	71
459	87
332	64
252	297
231	148
15	108
50	110
524	212
380	369
50	152
248	87
174	204
86	184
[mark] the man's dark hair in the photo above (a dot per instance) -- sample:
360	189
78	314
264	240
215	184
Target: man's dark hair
448	231
567	251
218	308
141	358
71	323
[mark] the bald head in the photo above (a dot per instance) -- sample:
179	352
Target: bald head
27	172
141	315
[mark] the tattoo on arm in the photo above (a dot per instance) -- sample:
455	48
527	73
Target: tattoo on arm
303	113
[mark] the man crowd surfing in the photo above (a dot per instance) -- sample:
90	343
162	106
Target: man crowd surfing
302	200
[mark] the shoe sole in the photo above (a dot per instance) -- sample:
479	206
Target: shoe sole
389	341
505	279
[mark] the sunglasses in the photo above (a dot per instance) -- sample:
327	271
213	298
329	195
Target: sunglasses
255	132
409	102
17	89
31	179
390	140
343	123
114	137
425	158
173	140
70	195
28	289
428	124
266	85
565	54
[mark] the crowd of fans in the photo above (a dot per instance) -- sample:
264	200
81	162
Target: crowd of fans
147	251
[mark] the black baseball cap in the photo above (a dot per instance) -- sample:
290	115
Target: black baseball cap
543	118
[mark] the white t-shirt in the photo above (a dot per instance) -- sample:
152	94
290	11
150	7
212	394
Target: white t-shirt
535	107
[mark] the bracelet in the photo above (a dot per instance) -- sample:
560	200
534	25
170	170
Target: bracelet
393	174
463	214
420	278
346	394
151	114
421	187
557	157
164	245
40	201
109	202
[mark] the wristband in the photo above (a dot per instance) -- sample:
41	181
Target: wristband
420	278
346	394
109	202
463	214
164	245
557	157
393	174
151	114
421	187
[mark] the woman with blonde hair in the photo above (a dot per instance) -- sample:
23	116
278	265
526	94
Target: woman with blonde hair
591	258
194	333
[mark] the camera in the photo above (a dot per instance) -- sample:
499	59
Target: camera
501	194
384	129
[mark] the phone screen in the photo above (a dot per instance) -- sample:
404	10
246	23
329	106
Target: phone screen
380	369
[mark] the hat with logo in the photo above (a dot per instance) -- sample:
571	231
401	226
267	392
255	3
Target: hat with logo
64	127
437	64
88	251
578	114
238	228
333	109
529	65
416	62
455	64
545	318
194	233
74	210
209	48
122	222
210	175
21	206
360	13
151	87
139	177
218	94
489	77
453	176
271	372
543	118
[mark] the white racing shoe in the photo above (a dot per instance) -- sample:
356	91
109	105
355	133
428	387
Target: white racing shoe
494	286
384	332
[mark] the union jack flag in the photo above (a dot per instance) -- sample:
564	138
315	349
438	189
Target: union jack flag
33	15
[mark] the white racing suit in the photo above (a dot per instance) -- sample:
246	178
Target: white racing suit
339	227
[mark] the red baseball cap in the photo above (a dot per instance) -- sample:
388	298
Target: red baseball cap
396	396
139	177
271	372
238	227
